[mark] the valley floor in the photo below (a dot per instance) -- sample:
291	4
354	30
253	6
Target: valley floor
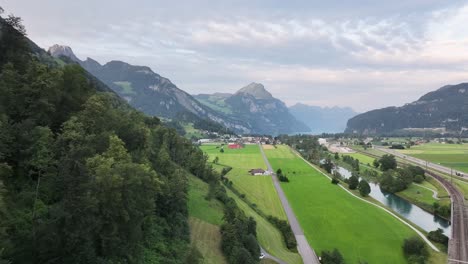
331	218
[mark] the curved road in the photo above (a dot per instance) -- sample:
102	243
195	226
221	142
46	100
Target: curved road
307	253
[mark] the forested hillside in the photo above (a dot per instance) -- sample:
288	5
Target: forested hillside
443	110
86	179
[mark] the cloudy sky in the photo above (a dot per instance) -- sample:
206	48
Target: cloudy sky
365	54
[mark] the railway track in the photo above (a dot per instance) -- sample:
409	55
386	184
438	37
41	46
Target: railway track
458	244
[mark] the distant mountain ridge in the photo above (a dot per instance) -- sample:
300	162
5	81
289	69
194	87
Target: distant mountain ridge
322	119
445	108
255	105
251	110
148	91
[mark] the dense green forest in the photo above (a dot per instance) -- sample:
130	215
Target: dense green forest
86	179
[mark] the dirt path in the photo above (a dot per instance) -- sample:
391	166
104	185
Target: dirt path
307	253
434	192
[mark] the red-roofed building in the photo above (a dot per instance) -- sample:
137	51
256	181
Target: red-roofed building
234	146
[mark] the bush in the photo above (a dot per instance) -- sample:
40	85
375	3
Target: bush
286	231
438	236
418	179
335	180
415	250
364	188
332	257
353	182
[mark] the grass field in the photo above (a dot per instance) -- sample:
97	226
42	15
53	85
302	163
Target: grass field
417	193
205	220
209	211
332	218
207	238
268	236
258	189
362	158
450	155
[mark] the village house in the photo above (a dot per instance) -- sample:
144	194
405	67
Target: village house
256	172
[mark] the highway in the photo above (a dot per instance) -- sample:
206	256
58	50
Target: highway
458	244
305	250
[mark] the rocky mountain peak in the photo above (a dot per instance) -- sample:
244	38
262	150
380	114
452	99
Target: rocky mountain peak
61	50
257	90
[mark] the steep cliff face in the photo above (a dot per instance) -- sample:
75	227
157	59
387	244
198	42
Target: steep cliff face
445	108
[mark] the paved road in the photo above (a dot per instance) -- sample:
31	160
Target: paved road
307	253
268	256
422	162
458	244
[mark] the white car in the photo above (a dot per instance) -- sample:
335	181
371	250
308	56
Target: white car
262	256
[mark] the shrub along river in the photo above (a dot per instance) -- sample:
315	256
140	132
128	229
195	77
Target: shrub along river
413	213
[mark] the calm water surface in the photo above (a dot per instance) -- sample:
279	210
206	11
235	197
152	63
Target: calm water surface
413	213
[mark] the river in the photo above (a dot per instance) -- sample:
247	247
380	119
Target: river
413	213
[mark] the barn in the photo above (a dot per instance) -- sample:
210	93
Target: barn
235	146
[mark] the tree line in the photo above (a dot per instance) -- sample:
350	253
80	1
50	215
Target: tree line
86	179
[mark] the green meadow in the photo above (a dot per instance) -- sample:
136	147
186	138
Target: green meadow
257	189
332	218
364	159
450	155
205	218
268	236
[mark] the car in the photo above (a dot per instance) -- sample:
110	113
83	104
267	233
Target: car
262	256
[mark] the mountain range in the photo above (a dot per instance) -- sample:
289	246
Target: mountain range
445	110
322	119
251	110
255	105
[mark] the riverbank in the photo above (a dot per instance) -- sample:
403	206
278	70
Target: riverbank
414	194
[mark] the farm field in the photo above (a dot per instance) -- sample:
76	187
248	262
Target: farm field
362	158
205	218
332	218
450	155
268	236
258	189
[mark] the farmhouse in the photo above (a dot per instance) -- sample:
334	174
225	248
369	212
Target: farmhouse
256	172
234	146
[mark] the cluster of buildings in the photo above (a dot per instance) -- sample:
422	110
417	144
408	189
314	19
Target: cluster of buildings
232	140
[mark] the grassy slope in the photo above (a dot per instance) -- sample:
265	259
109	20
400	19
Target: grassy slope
190	131
450	155
332	218
205	218
218	105
208	211
268	236
258	189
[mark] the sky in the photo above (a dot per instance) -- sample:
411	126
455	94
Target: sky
364	54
